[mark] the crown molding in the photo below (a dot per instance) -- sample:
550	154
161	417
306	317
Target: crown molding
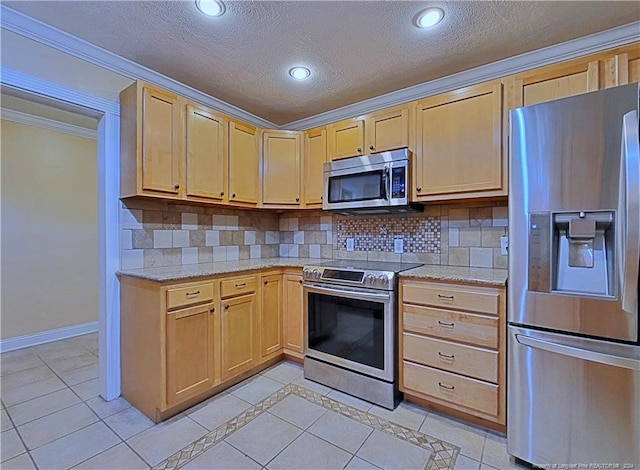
529	60
43	33
45	123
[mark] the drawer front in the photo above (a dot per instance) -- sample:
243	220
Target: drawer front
451	297
184	296
479	330
238	286
463	391
459	358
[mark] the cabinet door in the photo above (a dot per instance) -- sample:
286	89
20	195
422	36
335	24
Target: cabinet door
315	156
162	122
346	138
206	154
271	315
190	349
459	150
281	167
388	129
243	163
238	336
293	313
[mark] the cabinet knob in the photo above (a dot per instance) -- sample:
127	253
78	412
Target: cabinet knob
176	186
418	189
212	309
221	193
300	281
321	198
226	307
297	199
371	147
359	150
233	195
266	282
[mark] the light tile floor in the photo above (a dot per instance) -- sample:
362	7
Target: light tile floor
53	418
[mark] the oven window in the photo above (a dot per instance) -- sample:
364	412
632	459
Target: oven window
357	187
347	328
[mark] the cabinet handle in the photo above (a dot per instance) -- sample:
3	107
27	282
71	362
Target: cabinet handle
238	286
226	307
321	198
446	356
176	186
446	387
233	195
418	189
359	150
447	324
188	294
297	199
371	147
266	282
300	281
212	309
445	297
221	193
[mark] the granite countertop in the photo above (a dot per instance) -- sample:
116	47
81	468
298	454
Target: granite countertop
193	271
481	276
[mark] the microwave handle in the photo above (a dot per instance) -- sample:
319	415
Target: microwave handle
385	184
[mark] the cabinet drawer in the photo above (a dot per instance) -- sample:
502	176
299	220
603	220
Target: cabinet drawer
463	391
238	286
479	330
183	296
450	297
459	358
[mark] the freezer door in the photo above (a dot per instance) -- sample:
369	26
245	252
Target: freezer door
572	400
574	215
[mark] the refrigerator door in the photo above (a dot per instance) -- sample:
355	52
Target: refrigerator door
574	215
573	400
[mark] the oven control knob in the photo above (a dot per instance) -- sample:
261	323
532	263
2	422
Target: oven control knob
306	273
370	279
316	274
383	280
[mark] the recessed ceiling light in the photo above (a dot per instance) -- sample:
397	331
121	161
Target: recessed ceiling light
430	17
300	73
211	7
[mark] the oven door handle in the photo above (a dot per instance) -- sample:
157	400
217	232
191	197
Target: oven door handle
352	293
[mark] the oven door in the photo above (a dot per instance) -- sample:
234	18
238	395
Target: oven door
361	187
351	328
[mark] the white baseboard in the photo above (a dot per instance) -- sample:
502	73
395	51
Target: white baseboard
19	342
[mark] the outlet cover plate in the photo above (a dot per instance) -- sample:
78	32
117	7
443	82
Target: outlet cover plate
350	244
398	245
504	245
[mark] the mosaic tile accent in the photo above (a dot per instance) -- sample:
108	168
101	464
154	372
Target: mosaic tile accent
442	454
419	234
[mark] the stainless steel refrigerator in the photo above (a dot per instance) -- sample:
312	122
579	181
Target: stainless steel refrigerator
574	250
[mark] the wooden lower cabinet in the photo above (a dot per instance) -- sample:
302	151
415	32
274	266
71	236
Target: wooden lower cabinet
192	336
270	325
238	334
294	321
452	347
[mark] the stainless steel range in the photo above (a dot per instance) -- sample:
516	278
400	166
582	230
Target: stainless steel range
351	341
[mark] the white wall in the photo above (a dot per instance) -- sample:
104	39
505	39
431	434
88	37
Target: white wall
49	230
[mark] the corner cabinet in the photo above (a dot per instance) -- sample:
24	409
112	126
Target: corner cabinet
151	142
281	157
459	151
452	347
315	156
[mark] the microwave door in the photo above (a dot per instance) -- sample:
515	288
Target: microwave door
347	189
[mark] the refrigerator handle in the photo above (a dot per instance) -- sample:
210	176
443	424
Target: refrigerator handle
579	353
629	213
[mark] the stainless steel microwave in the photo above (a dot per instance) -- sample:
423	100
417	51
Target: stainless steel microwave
372	184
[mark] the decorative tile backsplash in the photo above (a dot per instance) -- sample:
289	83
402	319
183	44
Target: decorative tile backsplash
163	234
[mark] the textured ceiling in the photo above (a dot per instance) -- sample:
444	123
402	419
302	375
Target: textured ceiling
356	49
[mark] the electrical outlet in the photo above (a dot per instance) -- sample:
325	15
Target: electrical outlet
350	244
398	245
504	245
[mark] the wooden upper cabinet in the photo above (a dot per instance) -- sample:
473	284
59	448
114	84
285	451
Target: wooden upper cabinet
191	362
281	155
388	129
243	163
459	144
346	138
270	325
206	154
151	142
315	156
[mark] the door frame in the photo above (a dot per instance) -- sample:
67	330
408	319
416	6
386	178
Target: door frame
108	179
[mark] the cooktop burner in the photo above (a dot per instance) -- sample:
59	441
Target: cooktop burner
364	265
361	273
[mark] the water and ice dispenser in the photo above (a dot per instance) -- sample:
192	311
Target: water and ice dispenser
572	252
